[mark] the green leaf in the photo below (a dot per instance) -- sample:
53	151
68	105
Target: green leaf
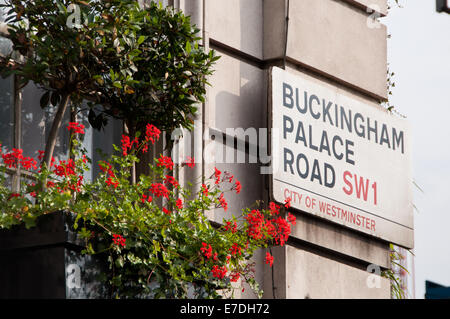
188	47
141	40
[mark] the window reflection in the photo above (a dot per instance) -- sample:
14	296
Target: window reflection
36	125
7	112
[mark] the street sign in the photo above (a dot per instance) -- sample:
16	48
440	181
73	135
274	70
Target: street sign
340	158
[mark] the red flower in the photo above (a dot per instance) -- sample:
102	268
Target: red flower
171	180
274	208
217	175
235	249
287	204
159	190
13	195
113	182
255	220
50	184
283	230
269	259
65	169
12	159
205	190
292	219
166	211
152	133
119	240
106	167
77	128
237	187
223	202
190	162
126	144
146	198
234	277
165	161
232	228
28	163
206	250
219	272
179	204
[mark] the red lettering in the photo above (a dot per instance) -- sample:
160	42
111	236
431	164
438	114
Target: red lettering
347	174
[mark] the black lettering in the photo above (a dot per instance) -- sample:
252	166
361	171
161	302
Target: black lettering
311	145
335	139
286	129
372	129
385	136
316	172
288	96
324	143
349	152
326	111
299	158
360	130
329	169
305	106
311	99
287	161
300	134
397	139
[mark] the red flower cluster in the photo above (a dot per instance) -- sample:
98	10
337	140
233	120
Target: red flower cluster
77	128
111	177
217	175
205	190
283	230
223	202
287	204
159	190
152	133
15	157
14	195
269	259
219	272
234	276
165	161
292	219
41	157
206	250
233	227
190	162
278	228
119	240
166	211
256	223
65	168
171	180
274	208
235	249
127	144
146	198
237	187
179	204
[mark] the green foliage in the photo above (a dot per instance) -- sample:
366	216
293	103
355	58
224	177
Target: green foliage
142	65
155	239
170	70
397	291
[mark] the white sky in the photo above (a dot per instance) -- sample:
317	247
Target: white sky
419	54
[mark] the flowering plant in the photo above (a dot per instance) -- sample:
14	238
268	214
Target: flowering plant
153	234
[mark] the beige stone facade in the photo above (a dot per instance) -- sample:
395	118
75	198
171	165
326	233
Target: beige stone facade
334	42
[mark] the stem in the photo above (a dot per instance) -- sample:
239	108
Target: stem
51	141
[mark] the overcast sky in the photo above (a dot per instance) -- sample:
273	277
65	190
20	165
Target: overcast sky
419	54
